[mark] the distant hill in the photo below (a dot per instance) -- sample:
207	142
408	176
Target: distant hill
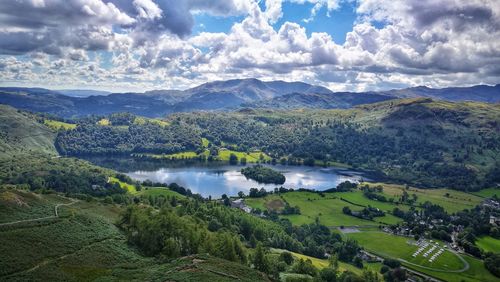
340	100
222	95
20	132
83	93
479	93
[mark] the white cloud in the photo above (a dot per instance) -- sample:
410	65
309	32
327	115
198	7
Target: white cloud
144	44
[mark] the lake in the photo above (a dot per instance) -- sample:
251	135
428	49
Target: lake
214	179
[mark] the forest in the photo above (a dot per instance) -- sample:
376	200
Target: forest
185	226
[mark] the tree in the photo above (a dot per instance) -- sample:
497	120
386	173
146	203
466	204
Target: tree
328	274
171	248
260	261
233	159
492	263
287	257
333	261
346	210
302	266
241	194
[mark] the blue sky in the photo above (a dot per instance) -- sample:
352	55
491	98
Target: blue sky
353	45
337	23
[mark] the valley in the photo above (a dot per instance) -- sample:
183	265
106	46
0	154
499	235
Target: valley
249	140
128	197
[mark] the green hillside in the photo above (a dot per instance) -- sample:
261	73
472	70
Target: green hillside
20	132
83	244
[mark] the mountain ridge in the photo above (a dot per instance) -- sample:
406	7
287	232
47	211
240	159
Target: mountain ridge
224	95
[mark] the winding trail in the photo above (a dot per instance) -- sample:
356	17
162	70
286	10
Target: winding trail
56	214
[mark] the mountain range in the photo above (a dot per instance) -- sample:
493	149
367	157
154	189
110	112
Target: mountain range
222	95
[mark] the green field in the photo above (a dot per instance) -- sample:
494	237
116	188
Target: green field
328	209
251	157
446	267
488	193
144	120
58	125
455	201
104	122
476	272
357	197
270	202
322	263
130	188
488	244
157	191
387	245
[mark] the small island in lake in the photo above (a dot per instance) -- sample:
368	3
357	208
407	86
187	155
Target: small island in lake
263	174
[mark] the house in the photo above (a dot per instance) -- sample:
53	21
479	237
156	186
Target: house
240	204
237	204
494	220
491	203
368	257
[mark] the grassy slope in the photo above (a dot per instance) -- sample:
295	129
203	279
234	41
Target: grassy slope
21	133
456	201
487	193
322	263
130	188
58	125
22	205
84	245
488	244
156	191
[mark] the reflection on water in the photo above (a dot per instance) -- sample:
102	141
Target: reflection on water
215	179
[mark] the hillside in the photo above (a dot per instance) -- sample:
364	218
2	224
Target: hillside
20	132
479	93
83	244
423	142
340	100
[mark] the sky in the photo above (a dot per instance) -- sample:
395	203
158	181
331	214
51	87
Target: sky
345	45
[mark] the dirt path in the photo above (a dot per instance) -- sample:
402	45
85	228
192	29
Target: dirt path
56	214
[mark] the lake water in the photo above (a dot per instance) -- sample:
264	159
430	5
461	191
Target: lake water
215	179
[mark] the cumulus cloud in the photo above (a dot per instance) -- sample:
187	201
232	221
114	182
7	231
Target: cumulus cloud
142	44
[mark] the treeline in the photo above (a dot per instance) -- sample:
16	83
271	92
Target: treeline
124	137
66	175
